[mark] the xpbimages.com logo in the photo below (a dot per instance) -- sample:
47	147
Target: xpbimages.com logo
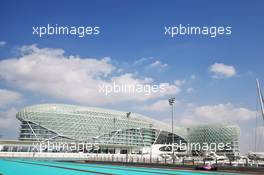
144	89
79	31
204	146
185	30
47	145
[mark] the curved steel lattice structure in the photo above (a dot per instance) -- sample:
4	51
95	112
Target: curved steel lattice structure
215	134
59	122
70	123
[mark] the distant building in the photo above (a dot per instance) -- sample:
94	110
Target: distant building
109	128
217	133
115	131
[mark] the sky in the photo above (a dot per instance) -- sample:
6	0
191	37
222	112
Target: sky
212	78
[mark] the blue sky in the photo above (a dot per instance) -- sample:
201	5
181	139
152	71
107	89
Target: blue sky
132	30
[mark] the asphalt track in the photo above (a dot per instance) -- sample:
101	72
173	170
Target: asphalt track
37	167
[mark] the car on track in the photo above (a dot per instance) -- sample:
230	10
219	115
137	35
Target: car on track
207	167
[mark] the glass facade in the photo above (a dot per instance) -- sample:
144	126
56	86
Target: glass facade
110	128
217	134
58	122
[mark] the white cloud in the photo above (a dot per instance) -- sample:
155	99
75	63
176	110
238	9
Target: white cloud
2	43
150	63
7	97
260	131
8	118
159	106
130	80
193	76
215	114
189	90
48	71
221	70
179	82
158	64
142	60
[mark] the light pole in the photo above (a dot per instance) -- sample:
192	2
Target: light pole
127	115
150	128
171	103
115	132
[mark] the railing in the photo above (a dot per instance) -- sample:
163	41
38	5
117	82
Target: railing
36	155
181	161
131	158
